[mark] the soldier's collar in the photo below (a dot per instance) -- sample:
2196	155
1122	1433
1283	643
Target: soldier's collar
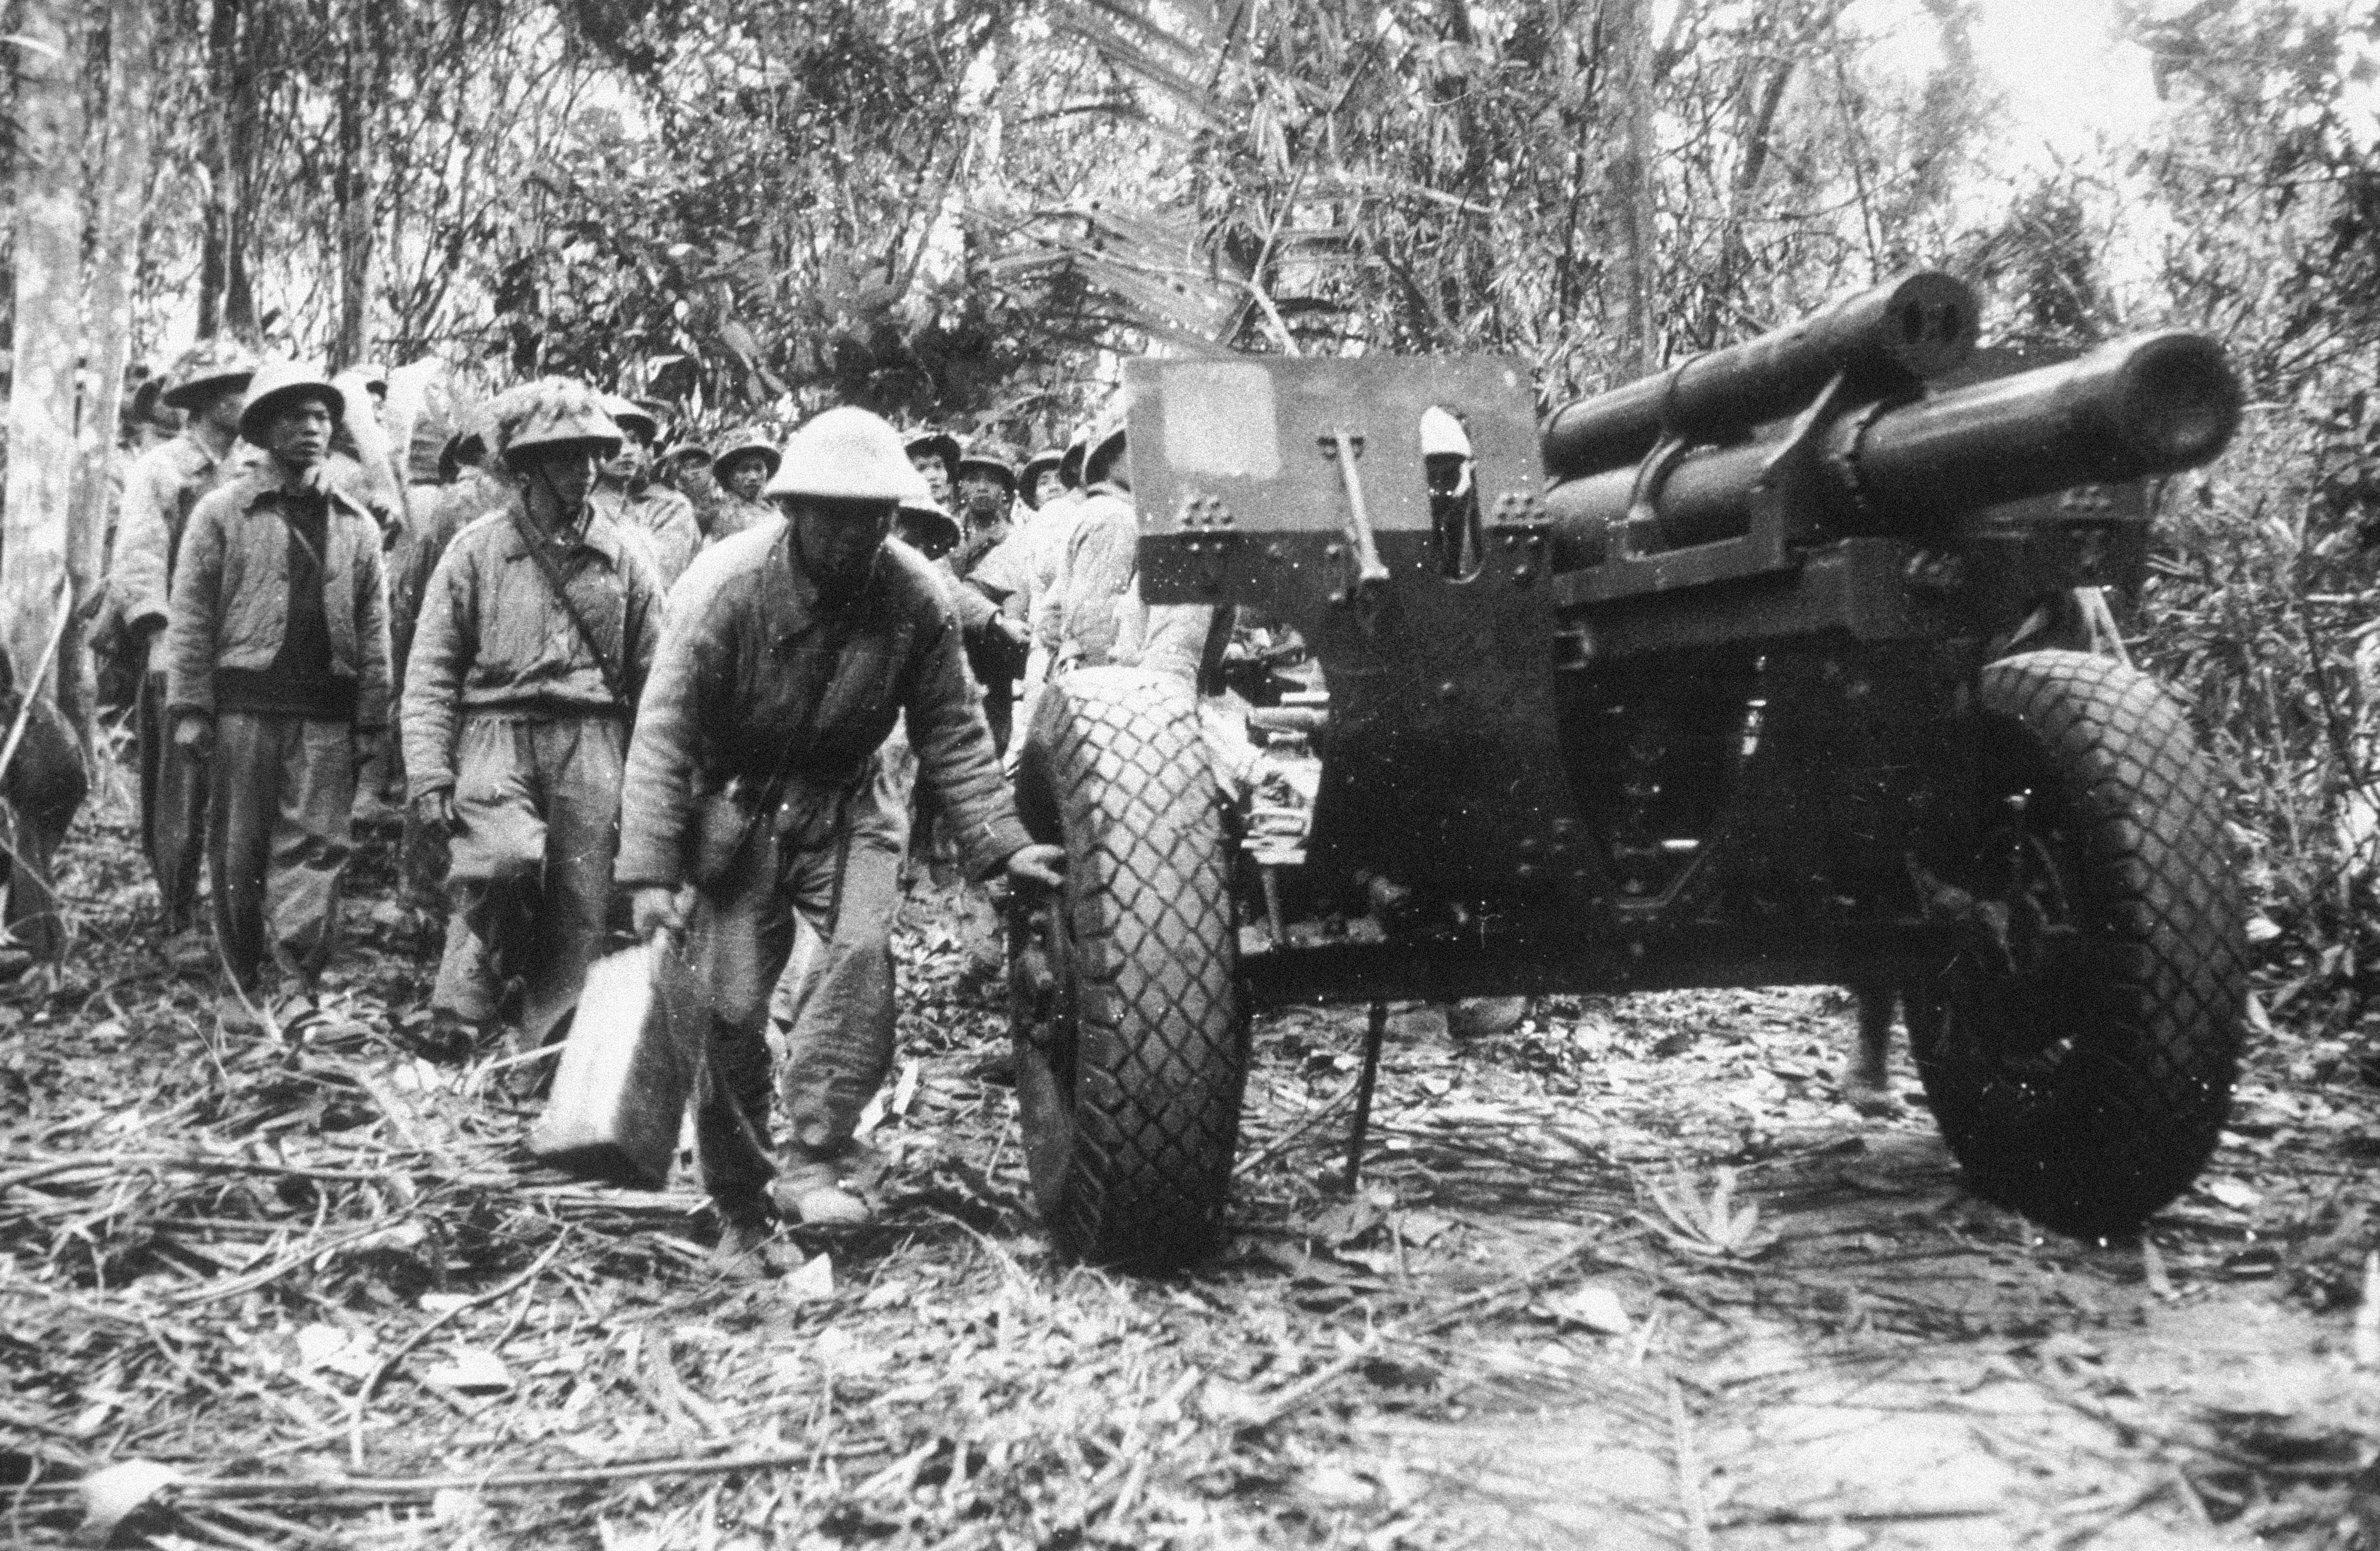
593	531
271	480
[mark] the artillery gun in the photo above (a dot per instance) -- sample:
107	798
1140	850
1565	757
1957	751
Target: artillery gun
1752	672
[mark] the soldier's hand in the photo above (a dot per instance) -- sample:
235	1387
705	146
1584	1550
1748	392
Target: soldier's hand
435	812
366	747
653	911
195	732
1038	866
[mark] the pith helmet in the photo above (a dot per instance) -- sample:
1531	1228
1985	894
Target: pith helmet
846	454
1104	444
983	463
206	368
276	385
1028	479
939	444
745	442
551	412
630	415
926	527
1070	461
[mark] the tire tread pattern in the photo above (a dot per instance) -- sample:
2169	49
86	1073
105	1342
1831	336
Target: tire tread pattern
1162	1021
2135	1110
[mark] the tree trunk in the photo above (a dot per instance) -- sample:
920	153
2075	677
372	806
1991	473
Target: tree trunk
351	189
33	544
225	302
1629	26
131	102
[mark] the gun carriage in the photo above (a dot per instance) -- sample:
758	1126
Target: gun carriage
1760	671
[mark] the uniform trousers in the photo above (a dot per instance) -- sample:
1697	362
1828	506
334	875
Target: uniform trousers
278	840
536	804
831	857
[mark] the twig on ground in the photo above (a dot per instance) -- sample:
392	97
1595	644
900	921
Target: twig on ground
1286	1400
1690	1471
287	1264
1312	1117
381	1369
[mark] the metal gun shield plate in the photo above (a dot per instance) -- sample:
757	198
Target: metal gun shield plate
1441	766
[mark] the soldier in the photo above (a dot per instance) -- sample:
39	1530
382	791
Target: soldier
1101	618
523	682
786	656
935	454
744	464
277	654
162	489
684	467
654	514
465	492
991	559
1040	483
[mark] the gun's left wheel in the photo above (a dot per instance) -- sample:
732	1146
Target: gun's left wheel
1130	1027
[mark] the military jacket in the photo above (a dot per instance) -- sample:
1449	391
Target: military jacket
231	592
493	639
756	681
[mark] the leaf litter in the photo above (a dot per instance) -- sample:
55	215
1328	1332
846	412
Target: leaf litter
312	1291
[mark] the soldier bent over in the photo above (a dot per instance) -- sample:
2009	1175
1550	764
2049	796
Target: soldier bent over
536	632
161	489
278	662
756	774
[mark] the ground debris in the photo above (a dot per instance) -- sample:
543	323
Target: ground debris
1631	1271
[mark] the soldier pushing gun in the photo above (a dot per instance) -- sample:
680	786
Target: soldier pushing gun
755	785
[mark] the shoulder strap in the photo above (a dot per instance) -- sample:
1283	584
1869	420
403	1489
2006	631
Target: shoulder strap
552	574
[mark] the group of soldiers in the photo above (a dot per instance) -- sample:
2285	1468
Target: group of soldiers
648	691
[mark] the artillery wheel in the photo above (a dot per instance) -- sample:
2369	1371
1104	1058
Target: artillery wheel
2082	1075
1130	1027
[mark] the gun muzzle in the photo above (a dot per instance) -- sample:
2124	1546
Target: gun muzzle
1885	341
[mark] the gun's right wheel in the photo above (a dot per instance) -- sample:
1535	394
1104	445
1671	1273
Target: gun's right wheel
2079	1052
1131	1028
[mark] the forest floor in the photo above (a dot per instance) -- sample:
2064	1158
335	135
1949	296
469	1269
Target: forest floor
1632	1275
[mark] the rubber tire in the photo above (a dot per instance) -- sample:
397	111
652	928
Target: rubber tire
2115	1116
1130	1078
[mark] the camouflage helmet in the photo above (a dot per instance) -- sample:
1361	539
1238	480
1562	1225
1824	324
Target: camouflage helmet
983	463
1028	478
550	412
685	447
747	442
276	386
846	454
630	415
206	368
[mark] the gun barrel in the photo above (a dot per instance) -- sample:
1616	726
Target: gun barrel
2138	408
1892	337
2133	409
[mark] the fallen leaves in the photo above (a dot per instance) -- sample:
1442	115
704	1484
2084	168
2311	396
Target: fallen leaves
113	1493
1714	1225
